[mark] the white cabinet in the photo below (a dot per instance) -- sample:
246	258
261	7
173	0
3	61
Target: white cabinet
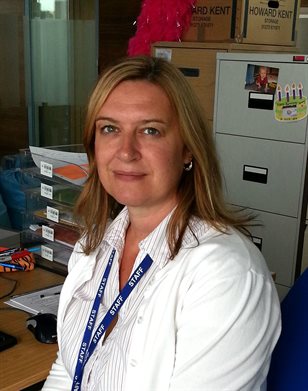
263	156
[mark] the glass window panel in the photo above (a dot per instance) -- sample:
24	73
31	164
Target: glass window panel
62	69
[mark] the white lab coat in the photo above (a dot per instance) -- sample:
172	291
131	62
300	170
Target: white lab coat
209	320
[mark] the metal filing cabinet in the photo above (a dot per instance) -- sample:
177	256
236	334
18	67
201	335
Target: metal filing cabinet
261	137
197	61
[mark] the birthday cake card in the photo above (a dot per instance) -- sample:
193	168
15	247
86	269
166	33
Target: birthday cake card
290	103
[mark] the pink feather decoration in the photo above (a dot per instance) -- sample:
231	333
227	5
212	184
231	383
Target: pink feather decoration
160	20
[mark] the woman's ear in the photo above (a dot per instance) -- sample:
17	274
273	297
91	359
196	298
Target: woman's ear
188	157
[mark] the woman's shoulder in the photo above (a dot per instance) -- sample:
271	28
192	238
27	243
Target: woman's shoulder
228	251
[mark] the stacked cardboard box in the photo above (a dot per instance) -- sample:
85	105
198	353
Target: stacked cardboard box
244	21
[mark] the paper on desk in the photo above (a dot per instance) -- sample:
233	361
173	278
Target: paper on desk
41	301
71	166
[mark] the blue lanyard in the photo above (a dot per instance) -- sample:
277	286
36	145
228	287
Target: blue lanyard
87	345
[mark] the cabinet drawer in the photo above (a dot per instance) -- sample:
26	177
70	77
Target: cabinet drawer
233	114
277	239
305	251
262	174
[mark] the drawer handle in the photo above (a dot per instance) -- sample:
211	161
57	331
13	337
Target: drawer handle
255	174
258	242
190	72
260	101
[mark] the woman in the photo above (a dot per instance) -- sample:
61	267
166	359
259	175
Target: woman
164	291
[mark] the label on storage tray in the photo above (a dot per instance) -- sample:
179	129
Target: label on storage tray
46	191
46	169
52	214
47	253
48	233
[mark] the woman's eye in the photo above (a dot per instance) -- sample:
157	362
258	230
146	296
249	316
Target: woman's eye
151	131
108	129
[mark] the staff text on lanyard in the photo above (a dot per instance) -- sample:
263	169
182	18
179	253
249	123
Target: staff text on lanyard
87	345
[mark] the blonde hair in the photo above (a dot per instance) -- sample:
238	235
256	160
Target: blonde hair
199	191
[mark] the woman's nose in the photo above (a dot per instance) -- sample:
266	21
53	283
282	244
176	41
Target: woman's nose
128	148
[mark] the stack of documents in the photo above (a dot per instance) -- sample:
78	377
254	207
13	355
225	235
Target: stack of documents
41	301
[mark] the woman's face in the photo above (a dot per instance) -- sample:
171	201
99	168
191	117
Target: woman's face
138	149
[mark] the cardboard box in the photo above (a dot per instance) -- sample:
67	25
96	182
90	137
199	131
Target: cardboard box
244	21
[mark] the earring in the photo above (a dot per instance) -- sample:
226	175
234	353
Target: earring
188	166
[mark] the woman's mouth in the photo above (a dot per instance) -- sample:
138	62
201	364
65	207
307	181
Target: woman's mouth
128	175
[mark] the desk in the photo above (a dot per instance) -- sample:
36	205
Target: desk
29	361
